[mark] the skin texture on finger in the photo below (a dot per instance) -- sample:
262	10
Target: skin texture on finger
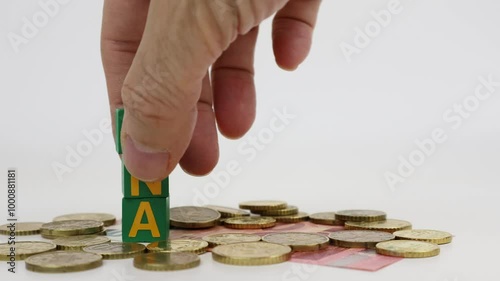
252	12
234	88
122	28
162	89
203	152
293	28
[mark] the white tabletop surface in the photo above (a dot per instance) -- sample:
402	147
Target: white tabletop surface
352	122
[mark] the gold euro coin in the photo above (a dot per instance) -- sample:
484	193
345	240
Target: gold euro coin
71	228
166	261
251	253
250	222
193	217
226	212
301	216
106	219
79	242
359	238
407	249
228	238
63	261
390	225
327	218
52	237
21	228
298	241
425	235
289	210
263	205
116	250
360	215
24	249
179	245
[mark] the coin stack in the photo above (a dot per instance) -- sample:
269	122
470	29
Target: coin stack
65	228
279	210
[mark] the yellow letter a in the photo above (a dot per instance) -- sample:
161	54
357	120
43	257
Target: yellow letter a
144	207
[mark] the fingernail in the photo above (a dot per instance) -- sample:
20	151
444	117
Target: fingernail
144	163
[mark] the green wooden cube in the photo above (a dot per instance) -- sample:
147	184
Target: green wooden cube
145	219
118	128
134	188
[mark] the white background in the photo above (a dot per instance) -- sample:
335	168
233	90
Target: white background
352	122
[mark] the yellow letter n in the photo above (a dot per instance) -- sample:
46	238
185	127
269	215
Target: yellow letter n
154	187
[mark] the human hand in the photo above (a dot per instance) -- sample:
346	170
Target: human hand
156	56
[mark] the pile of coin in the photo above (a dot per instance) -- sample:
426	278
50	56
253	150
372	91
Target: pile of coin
369	229
78	241
70	234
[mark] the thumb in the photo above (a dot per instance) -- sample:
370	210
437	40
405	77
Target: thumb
162	88
161	91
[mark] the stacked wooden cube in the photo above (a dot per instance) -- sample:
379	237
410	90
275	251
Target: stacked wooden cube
145	205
